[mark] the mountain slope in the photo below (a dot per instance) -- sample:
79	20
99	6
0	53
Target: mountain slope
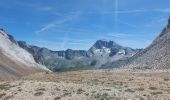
15	61
157	55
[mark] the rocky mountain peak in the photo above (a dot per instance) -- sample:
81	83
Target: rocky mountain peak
100	44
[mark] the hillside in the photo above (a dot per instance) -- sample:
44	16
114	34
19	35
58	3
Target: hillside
155	56
15	61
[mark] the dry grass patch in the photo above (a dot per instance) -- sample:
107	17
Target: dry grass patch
93	92
80	91
140	89
152	88
156	93
5	86
129	90
41	89
66	94
104	96
166	79
57	98
107	89
57	89
2	95
38	93
8	97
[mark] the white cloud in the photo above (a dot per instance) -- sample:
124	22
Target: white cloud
128	24
116	11
46	27
167	10
121	35
55	24
123	11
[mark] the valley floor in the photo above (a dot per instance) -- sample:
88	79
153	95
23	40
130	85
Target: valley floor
89	85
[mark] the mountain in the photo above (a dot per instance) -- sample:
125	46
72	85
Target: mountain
155	56
110	54
58	60
15	61
100	53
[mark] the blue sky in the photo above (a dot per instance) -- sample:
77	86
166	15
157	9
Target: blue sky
77	24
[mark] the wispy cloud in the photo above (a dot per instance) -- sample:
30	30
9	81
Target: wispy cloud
121	35
59	45
117	11
123	11
46	27
157	22
128	24
34	6
55	24
166	10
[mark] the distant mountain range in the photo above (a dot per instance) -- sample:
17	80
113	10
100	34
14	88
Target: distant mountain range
99	54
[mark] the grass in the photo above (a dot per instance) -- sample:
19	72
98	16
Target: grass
57	89
107	89
38	93
57	98
104	96
41	89
156	93
140	98
140	89
152	88
93	91
2	95
66	94
80	91
5	86
19	89
119	88
129	90
166	79
8	97
87	94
